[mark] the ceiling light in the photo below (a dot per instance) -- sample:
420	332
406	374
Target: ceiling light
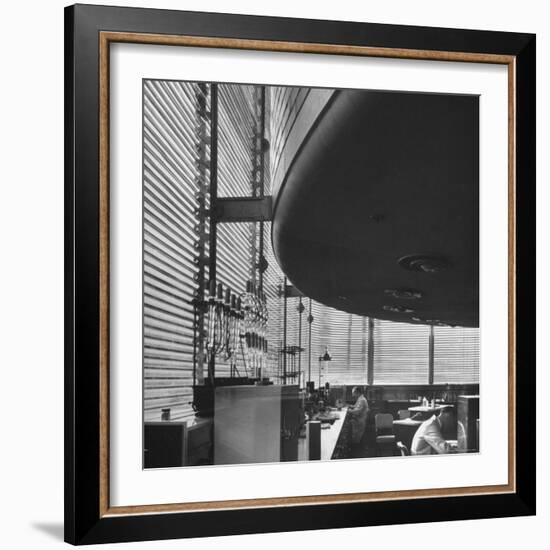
423	263
398	309
404	293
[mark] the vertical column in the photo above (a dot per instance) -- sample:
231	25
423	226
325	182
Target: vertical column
213	202
364	340
260	167
310	322
203	149
350	334
213	178
284	329
431	356
300	313
370	352
257	186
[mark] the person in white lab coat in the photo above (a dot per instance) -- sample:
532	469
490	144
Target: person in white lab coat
428	439
358	414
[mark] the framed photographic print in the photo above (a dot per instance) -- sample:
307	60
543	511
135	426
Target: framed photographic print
299	274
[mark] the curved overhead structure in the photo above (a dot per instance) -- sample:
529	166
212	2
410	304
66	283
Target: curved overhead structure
377	211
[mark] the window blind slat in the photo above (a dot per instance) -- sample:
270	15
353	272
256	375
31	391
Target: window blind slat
401	353
234	262
169	184
456	355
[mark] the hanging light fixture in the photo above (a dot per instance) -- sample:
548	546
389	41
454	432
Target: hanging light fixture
323	359
424	263
398	309
404	293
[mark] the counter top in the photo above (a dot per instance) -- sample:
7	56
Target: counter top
191	422
329	437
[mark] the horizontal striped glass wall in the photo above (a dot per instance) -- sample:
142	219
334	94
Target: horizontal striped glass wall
400	350
286	103
233	270
293	112
401	353
273	279
236	122
170	181
273	283
456	355
238	244
345	336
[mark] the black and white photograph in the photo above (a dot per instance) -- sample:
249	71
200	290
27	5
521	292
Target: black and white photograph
310	274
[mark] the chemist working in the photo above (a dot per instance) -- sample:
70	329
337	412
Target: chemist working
358	414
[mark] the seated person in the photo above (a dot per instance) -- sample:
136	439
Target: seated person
428	439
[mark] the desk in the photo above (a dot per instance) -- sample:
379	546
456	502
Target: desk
427	411
329	437
405	429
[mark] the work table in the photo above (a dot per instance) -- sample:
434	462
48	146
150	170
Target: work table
329	437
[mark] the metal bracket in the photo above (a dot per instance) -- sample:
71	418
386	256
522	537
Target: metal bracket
243	209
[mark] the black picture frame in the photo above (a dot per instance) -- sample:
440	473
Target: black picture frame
85	523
